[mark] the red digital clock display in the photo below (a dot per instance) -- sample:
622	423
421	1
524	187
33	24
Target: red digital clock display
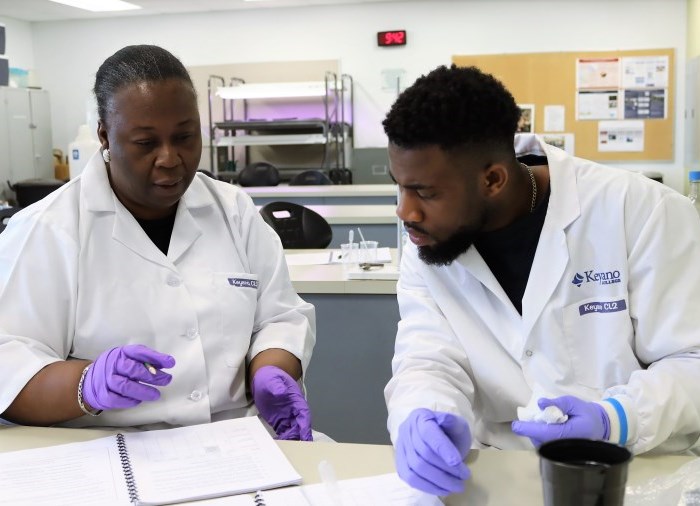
392	38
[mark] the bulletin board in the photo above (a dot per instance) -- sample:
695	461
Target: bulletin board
545	79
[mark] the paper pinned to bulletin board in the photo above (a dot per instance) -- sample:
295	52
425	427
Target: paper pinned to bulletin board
563	141
554	118
625	135
633	87
526	124
594	87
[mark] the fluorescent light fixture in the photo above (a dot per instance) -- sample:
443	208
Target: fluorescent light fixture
275	90
99	5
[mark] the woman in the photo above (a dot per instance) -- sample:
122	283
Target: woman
143	293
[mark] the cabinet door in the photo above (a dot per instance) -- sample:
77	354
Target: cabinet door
5	174
20	149
40	127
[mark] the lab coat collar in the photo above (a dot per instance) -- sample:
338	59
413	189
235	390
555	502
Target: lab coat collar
552	255
186	230
562	179
99	197
95	190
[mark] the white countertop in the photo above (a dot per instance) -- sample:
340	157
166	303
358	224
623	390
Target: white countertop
498	476
376	214
340	190
329	278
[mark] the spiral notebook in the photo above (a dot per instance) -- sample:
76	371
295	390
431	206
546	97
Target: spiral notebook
149	468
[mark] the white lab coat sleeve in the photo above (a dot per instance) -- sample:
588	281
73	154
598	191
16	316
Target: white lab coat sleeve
282	319
430	367
662	400
38	290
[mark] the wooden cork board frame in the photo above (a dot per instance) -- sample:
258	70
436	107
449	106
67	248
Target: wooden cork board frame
550	79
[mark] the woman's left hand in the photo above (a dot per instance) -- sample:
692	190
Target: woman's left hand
281	403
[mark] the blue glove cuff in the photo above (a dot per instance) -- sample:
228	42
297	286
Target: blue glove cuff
618	424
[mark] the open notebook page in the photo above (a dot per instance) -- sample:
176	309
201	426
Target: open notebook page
85	473
204	461
382	490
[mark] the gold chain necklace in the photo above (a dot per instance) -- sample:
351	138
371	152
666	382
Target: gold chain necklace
534	187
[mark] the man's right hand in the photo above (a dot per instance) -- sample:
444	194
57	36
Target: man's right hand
430	450
116	378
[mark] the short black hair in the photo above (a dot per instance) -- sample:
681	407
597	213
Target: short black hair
132	65
454	107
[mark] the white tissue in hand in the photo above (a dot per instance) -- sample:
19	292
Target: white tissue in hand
550	414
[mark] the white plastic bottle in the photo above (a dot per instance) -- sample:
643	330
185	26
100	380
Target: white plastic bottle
80	151
694	192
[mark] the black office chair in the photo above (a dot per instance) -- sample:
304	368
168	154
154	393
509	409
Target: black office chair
5	215
298	227
340	176
310	177
259	174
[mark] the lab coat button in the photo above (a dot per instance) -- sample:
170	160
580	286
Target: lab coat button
528	353
196	395
173	281
192	333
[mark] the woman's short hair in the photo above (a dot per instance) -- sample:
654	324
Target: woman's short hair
132	65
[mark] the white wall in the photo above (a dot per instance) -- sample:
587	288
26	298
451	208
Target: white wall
693	28
19	43
68	53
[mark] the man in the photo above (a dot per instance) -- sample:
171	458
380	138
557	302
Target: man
532	279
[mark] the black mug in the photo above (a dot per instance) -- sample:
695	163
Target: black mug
583	472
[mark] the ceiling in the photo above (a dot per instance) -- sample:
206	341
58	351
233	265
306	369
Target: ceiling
44	10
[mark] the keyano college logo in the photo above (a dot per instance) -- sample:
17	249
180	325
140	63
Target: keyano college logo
602	278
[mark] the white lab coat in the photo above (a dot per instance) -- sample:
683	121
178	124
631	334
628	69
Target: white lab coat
462	347
78	275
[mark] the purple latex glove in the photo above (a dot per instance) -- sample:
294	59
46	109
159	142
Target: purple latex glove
587	420
281	403
116	378
430	450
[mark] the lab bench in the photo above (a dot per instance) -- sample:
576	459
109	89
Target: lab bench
346	194
491	469
356	323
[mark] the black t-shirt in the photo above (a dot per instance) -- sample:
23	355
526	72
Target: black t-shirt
159	231
509	251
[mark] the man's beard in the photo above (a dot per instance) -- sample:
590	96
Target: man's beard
445	252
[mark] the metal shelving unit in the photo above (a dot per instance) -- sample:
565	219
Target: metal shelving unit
334	129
